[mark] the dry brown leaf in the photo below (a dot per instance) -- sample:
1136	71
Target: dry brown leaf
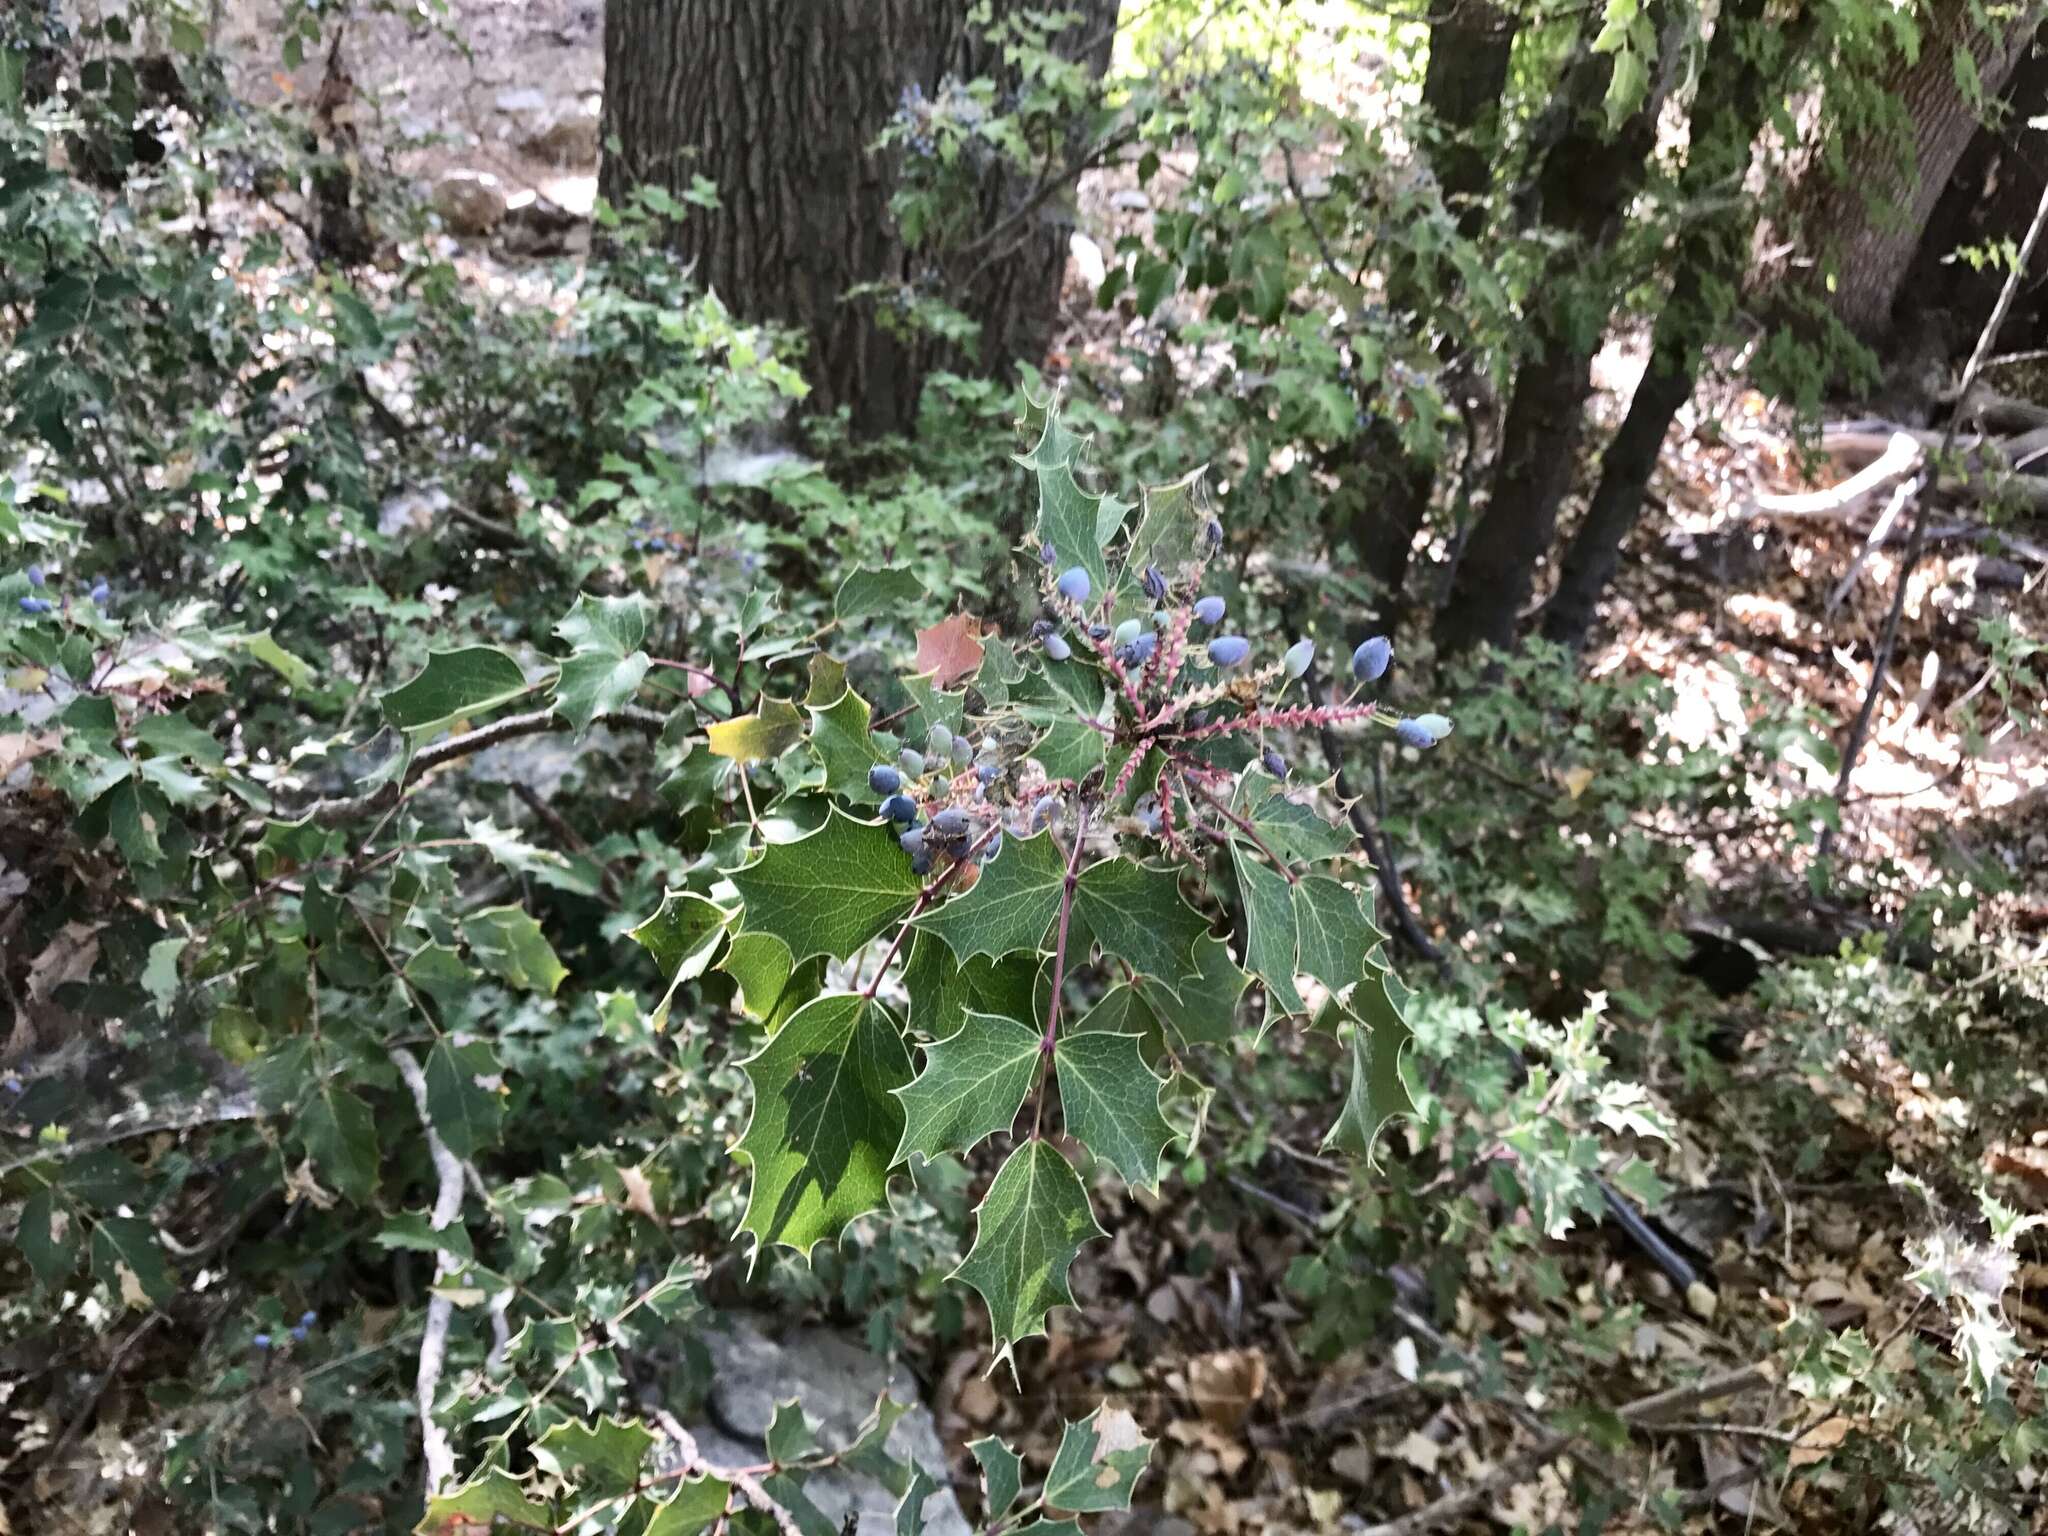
949	650
1224	1385
1818	1441
639	1192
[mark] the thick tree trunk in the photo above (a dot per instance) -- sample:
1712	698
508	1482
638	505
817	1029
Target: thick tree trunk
1470	44
777	103
1865	221
1584	183
1742	70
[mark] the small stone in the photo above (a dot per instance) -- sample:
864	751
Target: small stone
471	203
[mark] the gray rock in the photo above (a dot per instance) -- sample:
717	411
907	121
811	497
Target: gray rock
570	139
524	99
837	1382
470	203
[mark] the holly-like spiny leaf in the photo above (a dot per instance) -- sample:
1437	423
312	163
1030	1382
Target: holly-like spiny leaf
1335	934
683	936
1098	1463
1002	1475
972	1086
603	1458
826	1121
1111	1102
759	737
508	943
1012	905
830	892
454	684
1032	1223
1378	1094
1272	946
1138	915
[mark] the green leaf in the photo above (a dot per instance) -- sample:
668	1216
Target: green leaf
1377	1094
1097	1464
603	1458
757	738
790	1437
1294	831
160	973
1069	518
416	1232
697	1504
825	1123
1012	905
1271	944
1209	994
1032	1223
465	1111
972	1086
340	1134
841	741
1002	1475
1139	916
607	626
938	986
263	646
129	1262
771	988
508	943
831	892
683	936
910	1509
1111	1100
895	593
477	1504
1172	527
1069	750
1334	931
452	685
593	685
46	1238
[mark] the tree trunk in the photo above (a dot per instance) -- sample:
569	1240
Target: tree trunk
777	103
1584	183
1864	219
1470	45
1743	69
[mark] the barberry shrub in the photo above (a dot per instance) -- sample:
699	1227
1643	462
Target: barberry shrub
1017	904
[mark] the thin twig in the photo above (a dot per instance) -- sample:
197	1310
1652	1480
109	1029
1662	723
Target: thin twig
1859	731
749	1486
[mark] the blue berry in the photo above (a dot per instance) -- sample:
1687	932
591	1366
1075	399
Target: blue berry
301	1332
900	808
963	752
939	742
950	824
99	592
35	575
1369	661
1198	718
261	1341
988	773
911	842
1229	650
921	861
1276	765
1142	649
1213	534
1298	657
995	846
1438	726
1040	628
1057	648
1075	585
1098	631
912	762
1154	584
1045	810
1209	610
1414	733
1046	553
1127	631
35	605
884	780
308	1319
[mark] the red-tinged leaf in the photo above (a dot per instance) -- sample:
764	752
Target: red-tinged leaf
949	650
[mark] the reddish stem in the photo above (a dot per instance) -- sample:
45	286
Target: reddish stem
1243	825
1059	969
924	899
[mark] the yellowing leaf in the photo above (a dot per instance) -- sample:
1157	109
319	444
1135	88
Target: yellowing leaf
758	737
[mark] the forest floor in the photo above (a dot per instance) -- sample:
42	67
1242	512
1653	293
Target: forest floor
1713	600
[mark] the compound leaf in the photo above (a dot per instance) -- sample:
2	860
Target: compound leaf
1111	1100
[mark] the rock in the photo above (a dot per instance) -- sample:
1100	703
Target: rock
471	203
837	1381
571	138
538	226
524	100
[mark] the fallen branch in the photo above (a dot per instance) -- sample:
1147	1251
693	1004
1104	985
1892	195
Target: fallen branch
1859	730
434	1444
1900	456
749	1486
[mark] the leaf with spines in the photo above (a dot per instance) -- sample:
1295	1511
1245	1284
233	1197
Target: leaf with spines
972	1086
508	943
129	1261
1292	829
790	1437
1272	945
1002	1475
1111	1102
1012	905
826	1121
462	1099
843	744
830	892
603	1458
340	1134
1334	932
485	1503
1206	1013
757	738
1172	527
1070	519
605	665
696	1505
1031	1225
453	685
684	936
771	988
888	593
1098	1463
1378	1094
1138	915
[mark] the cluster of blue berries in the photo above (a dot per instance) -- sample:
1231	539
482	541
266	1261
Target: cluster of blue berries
948	756
301	1331
920	115
35	603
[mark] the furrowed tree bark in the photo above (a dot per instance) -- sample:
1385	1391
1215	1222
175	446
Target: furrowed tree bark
777	103
1865	219
1470	45
1744	67
1583	185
